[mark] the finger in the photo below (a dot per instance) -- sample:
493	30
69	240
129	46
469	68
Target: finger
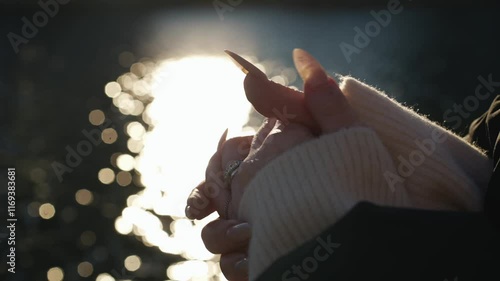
269	98
198	204
235	149
274	100
215	188
234	266
281	138
323	97
225	236
262	133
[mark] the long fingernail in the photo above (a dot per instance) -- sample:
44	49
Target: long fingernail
242	265
310	70
222	139
240	232
246	66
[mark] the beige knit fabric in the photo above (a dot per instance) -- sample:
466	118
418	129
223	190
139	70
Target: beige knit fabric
399	158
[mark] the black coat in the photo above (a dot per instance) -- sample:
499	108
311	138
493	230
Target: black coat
385	243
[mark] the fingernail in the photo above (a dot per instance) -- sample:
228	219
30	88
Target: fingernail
242	265
268	124
246	66
240	232
279	126
189	212
309	69
222	139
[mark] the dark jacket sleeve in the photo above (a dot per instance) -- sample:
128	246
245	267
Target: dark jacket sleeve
384	243
381	243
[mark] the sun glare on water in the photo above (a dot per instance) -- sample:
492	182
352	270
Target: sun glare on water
183	106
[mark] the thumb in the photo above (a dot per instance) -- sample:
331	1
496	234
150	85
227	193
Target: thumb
323	97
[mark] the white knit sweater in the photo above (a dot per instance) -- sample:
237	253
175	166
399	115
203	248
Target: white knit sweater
399	158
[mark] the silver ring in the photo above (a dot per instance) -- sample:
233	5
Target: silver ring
231	169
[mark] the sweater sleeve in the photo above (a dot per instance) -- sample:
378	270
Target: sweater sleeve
439	169
310	187
399	159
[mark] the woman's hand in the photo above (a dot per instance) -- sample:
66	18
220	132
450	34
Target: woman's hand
325	102
230	238
272	139
323	110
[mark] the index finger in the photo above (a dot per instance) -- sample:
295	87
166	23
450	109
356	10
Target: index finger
198	204
277	101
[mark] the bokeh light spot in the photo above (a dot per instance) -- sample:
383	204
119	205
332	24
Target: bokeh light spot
112	89
135	130
138	69
109	135
135	146
106	175
55	274
104	277
132	263
279	79
123	226
123	178
85	269
47	211
125	162
96	117
84	197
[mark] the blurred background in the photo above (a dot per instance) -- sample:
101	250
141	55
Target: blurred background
111	109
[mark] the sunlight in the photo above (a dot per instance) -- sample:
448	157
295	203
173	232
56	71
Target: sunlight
185	104
195	100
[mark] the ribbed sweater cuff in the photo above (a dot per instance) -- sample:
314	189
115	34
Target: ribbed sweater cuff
439	169
308	188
